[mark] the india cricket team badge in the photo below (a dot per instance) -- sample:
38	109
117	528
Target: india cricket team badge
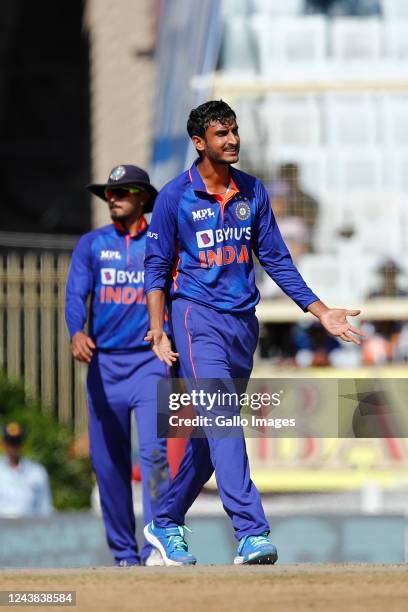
117	173
242	210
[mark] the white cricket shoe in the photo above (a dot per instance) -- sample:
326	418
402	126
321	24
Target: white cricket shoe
154	559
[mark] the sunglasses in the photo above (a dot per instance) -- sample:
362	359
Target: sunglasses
121	192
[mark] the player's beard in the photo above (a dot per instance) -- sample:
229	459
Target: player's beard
217	158
118	215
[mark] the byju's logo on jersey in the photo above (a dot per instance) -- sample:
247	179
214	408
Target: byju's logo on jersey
111	276
110	255
108	276
203	214
242	210
205	238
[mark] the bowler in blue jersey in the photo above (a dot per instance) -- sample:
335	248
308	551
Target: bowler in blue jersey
107	266
206	225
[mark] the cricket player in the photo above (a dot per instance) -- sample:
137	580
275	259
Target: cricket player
107	265
205	225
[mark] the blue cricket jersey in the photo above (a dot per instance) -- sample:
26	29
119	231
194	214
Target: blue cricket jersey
205	243
107	264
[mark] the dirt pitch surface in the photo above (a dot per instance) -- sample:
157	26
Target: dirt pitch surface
286	588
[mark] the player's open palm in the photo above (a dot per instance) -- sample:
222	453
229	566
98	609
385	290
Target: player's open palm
161	346
334	320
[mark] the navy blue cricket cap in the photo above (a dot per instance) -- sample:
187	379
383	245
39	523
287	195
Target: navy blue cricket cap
13	433
126	175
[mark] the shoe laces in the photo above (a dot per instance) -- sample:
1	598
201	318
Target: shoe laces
177	541
254	540
257	540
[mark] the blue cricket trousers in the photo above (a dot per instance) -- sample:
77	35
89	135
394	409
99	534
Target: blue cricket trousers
214	345
119	383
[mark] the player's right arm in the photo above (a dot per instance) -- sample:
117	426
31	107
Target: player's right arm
160	255
79	286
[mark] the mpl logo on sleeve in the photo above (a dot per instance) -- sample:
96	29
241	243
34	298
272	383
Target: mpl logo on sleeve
203	214
108	276
205	238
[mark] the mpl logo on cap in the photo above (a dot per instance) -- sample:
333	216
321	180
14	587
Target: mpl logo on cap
108	276
117	173
205	238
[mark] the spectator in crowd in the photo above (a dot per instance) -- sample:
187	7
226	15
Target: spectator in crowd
389	271
342	8
24	484
293	227
387	341
297	203
314	346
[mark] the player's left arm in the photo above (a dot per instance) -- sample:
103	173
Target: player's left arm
159	258
275	258
79	286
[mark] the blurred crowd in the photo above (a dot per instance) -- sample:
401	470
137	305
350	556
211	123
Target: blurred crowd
307	344
343	8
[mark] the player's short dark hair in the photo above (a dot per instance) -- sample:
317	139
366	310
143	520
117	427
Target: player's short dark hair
205	114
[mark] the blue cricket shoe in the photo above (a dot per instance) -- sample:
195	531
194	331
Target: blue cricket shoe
256	550
171	544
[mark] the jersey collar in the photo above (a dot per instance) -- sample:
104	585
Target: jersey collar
198	183
140	230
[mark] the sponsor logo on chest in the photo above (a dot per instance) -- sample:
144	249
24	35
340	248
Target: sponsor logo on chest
203	214
111	276
107	255
207	238
225	255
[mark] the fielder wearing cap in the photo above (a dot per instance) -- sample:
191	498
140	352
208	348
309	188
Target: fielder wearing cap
24	484
108	265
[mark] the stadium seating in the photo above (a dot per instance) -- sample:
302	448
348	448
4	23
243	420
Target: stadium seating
396	39
292	121
239	48
396	171
327	274
288	41
355	39
395	9
277	8
350	120
394	120
355	170
351	144
251	119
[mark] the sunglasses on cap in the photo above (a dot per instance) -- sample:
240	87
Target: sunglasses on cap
122	192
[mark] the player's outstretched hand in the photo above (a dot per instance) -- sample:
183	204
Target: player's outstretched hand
82	347
334	320
161	346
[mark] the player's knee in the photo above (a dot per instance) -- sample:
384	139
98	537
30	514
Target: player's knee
158	470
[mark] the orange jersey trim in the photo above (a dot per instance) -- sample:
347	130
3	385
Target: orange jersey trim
140	228
224	199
